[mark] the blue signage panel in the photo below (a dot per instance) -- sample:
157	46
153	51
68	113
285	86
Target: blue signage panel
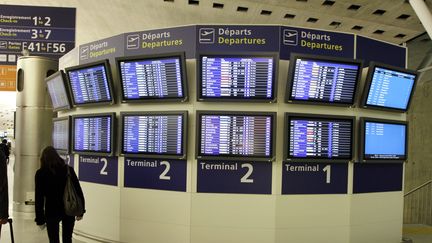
234	177
377	177
107	48
317	42
237	38
43	31
378	51
314	178
155	174
177	39
98	169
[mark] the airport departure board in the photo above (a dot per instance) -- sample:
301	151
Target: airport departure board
60	134
93	133
390	87
152	77
237	78
384	140
154	134
235	135
323	81
319	137
57	91
90	83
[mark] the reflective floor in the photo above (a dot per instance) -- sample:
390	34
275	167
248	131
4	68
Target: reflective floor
26	231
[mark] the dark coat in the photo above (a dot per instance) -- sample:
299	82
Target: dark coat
49	193
4	199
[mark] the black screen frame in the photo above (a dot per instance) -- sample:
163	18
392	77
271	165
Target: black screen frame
274	55
105	63
183	73
68	150
287	119
331	59
112	140
62	75
368	83
183	113
198	125
361	152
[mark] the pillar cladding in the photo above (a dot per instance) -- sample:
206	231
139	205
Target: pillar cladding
33	126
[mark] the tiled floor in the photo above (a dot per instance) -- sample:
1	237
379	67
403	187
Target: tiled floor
418	233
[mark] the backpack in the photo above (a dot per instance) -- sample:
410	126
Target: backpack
73	203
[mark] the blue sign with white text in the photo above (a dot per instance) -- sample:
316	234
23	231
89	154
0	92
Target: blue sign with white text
178	39
234	177
378	51
155	174
317	42
108	48
98	169
237	38
371	177
43	31
314	178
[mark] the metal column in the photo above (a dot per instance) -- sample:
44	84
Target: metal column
33	126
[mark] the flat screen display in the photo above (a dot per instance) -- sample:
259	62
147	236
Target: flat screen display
93	134
235	135
237	77
318	137
319	79
150	134
57	91
60	134
90	83
389	87
384	140
153	77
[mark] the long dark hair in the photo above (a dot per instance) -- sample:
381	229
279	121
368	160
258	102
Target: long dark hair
51	160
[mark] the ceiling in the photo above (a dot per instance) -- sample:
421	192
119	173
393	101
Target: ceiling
389	20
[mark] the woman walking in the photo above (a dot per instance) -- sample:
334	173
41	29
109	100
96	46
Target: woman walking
50	185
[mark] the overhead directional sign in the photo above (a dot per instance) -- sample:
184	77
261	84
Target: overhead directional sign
43	31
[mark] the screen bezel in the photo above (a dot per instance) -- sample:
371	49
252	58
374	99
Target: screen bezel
273	55
287	120
182	156
362	141
200	156
112	140
106	65
368	83
62	75
331	59
62	151
183	73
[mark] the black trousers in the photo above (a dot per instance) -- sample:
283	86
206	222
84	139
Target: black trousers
68	223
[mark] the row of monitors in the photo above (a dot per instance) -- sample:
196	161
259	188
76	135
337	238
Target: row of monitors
245	77
222	135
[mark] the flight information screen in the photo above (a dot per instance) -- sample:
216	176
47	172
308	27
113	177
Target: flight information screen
384	140
390	88
60	134
93	134
90	84
324	81
320	138
152	78
153	134
235	135
237	77
57	92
